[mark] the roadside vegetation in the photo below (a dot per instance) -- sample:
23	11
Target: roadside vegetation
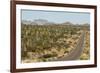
86	52
41	43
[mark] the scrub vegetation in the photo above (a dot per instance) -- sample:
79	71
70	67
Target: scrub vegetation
47	42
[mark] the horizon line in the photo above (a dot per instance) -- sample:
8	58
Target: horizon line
58	22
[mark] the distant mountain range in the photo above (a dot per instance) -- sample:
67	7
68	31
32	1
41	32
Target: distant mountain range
46	22
41	21
26	22
37	22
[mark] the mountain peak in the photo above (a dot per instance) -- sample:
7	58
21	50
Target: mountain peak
41	21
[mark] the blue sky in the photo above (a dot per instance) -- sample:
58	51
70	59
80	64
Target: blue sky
56	16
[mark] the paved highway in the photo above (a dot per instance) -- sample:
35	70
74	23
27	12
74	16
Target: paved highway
75	54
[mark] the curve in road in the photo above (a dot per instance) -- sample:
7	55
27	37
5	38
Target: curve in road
75	54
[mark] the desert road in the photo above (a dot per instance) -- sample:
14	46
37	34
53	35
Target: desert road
75	54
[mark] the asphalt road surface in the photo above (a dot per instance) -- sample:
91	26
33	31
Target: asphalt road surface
75	54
